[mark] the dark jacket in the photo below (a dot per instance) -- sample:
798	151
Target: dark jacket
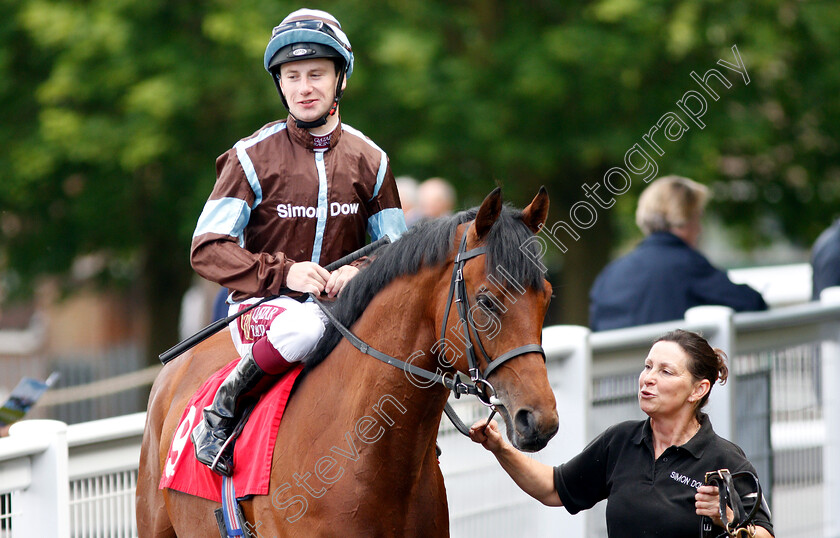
658	281
825	260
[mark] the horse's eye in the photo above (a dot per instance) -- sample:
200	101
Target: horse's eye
486	303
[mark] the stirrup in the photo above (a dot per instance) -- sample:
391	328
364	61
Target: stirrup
231	438
222	451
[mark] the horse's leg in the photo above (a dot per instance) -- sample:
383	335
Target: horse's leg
152	517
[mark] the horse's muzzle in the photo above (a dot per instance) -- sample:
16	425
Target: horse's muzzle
533	430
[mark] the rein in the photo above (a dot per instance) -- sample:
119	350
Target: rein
458	295
742	525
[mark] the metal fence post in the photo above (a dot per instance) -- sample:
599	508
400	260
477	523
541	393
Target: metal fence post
570	375
720	408
44	507
831	416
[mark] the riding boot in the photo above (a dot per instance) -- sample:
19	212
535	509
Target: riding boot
244	385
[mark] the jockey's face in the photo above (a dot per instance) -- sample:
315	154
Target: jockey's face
309	88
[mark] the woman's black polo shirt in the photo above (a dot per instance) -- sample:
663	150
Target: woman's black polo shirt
647	497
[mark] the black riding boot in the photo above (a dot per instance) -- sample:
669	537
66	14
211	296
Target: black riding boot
244	385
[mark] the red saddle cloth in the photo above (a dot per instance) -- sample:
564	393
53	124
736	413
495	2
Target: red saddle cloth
251	454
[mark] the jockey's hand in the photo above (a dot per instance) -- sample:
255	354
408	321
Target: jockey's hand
339	278
308	277
489	437
707	503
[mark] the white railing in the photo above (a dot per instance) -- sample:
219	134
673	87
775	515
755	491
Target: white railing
79	481
33	466
104	456
61	481
780	285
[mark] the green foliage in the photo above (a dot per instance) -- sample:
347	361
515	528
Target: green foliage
114	110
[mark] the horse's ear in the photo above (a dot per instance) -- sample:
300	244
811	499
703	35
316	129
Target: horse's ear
537	211
488	213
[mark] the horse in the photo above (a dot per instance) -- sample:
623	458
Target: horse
356	448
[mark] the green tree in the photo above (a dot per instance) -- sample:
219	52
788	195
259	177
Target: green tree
114	112
530	93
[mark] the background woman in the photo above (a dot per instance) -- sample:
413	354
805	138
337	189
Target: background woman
665	274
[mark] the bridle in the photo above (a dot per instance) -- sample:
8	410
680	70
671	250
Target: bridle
458	293
478	385
742	525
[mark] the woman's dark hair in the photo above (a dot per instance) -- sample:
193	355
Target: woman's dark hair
704	362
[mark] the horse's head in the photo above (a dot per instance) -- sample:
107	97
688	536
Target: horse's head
506	299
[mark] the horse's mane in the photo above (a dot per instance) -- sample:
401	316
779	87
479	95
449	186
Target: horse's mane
429	244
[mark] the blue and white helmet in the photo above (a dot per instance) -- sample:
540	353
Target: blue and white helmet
306	34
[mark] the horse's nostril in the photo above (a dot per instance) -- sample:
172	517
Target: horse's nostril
533	429
525	422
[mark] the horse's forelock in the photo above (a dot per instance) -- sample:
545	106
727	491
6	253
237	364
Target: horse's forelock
512	249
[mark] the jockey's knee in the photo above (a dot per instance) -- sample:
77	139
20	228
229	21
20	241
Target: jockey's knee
296	333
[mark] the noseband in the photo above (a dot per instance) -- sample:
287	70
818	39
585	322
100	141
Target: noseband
479	386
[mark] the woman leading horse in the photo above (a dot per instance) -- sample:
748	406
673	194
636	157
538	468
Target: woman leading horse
384	480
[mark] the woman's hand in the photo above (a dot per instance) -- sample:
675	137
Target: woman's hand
707	503
489	437
535	478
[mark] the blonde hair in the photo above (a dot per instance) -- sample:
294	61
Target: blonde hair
670	202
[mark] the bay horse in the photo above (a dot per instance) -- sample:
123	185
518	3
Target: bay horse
378	423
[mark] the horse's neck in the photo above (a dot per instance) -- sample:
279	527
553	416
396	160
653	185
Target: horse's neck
400	323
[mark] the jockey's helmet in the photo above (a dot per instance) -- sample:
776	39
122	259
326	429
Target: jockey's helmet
303	35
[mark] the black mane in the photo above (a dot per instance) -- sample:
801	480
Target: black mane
428	244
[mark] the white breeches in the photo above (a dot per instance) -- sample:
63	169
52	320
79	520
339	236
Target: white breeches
293	328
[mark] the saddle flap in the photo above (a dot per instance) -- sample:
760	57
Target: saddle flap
255	445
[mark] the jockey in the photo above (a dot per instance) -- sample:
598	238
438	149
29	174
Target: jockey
288	200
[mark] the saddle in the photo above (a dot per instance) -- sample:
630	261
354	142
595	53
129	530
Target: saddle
255	436
741	525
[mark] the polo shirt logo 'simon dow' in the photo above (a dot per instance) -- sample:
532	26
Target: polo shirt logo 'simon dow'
289	211
687	480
